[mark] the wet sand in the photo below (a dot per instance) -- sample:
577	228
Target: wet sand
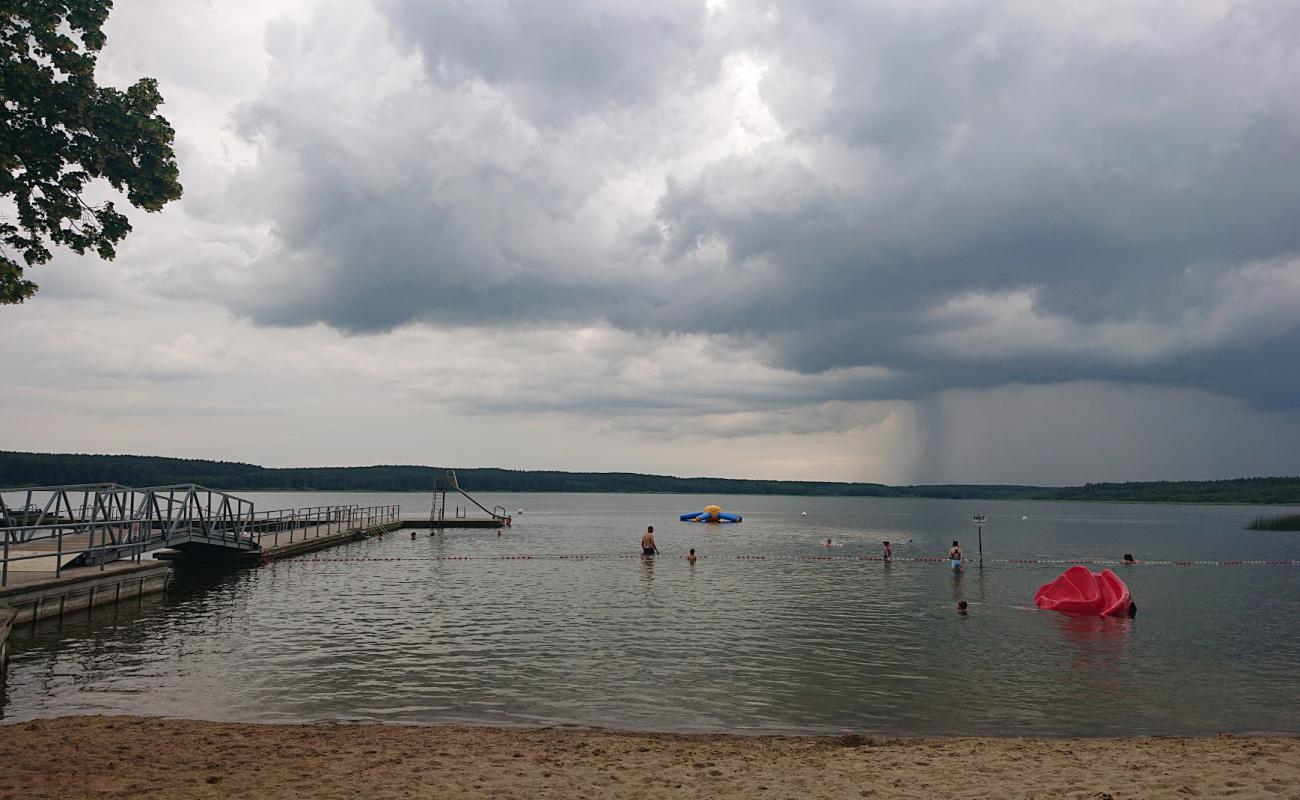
133	757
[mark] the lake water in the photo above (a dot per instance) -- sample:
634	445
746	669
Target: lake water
728	644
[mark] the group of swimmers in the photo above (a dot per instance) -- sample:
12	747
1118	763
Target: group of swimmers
955	556
955	559
650	548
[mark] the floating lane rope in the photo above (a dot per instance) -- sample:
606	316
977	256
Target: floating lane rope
765	557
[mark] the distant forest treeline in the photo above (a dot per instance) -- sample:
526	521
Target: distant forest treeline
45	469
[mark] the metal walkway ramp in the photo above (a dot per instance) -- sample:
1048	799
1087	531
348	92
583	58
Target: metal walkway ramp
54	527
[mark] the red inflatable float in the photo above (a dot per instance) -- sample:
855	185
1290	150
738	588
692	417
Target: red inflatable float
1082	591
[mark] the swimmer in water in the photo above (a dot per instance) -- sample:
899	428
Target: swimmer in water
648	546
961	606
692	557
828	543
888	552
954	556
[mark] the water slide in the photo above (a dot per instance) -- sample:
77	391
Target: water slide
1079	590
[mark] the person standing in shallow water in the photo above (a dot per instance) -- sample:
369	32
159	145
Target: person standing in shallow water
889	553
692	557
954	556
648	546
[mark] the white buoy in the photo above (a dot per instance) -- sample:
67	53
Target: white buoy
1024	517
803	513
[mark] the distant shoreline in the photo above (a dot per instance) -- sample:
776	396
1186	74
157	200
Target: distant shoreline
19	469
284	490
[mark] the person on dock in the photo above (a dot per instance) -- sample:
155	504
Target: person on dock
889	553
954	556
691	559
648	546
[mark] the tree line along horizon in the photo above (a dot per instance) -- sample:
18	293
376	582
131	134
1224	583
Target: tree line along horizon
23	469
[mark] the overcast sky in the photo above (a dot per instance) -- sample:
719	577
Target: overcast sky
909	241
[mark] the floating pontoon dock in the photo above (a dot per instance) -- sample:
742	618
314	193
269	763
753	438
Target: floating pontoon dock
70	547
496	518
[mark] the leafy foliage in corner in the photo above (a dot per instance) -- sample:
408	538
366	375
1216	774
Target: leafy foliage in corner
59	131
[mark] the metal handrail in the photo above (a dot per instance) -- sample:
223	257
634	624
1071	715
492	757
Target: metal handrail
127	522
321	521
115	537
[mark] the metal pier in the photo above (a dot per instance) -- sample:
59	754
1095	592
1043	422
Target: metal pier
50	530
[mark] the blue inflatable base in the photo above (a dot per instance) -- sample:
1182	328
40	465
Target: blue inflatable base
701	516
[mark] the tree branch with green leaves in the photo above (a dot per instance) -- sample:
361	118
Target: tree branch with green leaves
59	131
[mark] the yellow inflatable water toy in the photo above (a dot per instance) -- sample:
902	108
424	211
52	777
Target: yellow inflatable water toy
710	514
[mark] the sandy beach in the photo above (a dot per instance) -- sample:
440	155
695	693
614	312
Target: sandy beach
133	757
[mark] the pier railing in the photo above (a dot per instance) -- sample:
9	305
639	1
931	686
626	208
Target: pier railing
287	526
49	529
55	546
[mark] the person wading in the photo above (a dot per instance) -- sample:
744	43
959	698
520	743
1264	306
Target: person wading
648	547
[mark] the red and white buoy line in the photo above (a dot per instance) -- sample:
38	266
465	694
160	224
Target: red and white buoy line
881	559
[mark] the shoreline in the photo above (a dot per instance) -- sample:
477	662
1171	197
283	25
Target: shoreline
1090	501
127	756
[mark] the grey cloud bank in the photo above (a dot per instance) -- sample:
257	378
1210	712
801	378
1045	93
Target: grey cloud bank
907	241
964	195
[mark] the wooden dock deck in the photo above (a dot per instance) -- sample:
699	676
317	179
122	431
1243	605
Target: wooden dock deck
37	595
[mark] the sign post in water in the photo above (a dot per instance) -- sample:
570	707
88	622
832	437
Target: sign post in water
979	522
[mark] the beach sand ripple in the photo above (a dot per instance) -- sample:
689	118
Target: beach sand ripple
132	757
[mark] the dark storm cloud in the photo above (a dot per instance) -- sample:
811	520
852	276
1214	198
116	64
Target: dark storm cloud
965	194
556	60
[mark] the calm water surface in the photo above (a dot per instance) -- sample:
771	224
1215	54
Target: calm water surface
724	645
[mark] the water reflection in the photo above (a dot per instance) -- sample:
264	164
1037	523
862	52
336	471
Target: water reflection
1096	649
1092	637
784	644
